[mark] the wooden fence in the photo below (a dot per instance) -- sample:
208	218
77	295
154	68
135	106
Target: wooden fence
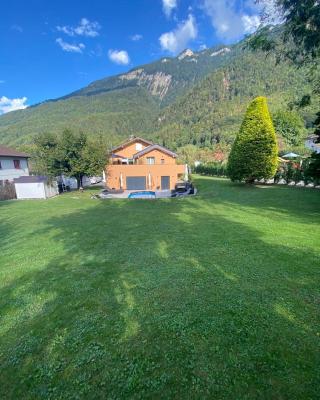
7	191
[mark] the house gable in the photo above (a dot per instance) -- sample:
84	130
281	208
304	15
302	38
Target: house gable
131	147
158	149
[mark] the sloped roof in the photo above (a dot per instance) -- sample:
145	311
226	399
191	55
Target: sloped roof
30	179
8	151
131	140
116	156
155	147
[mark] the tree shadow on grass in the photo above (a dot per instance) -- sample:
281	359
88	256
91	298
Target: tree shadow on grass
161	300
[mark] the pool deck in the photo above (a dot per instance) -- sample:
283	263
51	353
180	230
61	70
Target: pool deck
160	194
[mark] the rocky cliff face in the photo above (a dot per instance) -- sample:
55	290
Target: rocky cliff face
157	84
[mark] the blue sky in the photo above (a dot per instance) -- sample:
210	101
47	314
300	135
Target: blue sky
51	48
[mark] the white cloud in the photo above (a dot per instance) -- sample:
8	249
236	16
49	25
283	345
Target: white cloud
229	21
177	40
119	57
203	47
85	28
136	37
250	24
70	48
7	105
169	6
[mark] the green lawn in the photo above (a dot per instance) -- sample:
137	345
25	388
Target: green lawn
215	296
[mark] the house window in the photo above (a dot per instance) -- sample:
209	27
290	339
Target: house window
150	160
16	164
0	165
138	146
162	160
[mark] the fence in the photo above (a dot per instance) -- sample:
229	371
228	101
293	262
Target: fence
7	191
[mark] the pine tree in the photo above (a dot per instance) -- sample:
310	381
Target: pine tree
254	154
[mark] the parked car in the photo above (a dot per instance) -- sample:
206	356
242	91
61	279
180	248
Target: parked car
95	179
183	189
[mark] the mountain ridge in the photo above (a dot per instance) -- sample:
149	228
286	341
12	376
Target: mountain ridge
182	93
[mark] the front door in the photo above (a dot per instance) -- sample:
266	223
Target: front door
165	182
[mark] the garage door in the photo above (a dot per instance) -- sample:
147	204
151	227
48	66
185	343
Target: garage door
136	182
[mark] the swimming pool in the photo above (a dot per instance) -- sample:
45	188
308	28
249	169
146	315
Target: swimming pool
142	195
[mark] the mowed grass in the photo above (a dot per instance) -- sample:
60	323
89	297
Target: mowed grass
211	297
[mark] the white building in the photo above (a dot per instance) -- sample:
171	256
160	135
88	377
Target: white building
311	144
13	164
35	187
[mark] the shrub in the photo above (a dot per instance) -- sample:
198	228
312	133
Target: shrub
254	154
211	169
289	173
313	169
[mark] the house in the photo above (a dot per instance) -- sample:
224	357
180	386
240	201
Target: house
13	164
139	164
35	187
311	144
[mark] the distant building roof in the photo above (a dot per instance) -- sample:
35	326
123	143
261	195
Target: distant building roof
7	151
30	179
155	147
132	140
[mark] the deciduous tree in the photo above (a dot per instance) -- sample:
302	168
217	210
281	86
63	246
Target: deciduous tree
70	154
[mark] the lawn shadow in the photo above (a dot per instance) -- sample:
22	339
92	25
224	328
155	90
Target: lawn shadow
161	299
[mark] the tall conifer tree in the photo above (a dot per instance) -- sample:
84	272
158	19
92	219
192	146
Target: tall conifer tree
254	154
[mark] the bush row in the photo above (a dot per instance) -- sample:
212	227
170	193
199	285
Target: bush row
211	169
296	172
290	172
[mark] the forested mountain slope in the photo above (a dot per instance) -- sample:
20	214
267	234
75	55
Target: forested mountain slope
211	112
197	97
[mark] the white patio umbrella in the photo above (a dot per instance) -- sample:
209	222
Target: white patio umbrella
186	172
291	155
149	180
121	181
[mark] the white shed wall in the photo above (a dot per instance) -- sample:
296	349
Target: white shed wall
30	190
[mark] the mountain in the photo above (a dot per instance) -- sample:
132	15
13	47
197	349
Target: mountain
195	97
167	78
212	111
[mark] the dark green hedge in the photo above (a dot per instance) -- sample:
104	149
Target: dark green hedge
212	169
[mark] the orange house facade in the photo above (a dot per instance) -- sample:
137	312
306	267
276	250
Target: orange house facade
139	164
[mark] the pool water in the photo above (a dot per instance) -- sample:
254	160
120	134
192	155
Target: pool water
142	195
